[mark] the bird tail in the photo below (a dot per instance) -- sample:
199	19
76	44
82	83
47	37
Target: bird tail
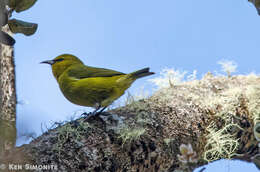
141	73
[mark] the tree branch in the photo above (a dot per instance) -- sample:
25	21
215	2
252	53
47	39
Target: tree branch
178	128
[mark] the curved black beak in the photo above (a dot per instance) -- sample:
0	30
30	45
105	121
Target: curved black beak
51	62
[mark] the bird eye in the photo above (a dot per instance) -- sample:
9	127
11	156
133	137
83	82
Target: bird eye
58	60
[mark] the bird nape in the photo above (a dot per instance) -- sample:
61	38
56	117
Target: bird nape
91	86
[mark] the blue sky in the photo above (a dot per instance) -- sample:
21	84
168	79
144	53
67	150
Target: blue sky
126	36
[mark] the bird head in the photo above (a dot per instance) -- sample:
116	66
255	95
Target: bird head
61	63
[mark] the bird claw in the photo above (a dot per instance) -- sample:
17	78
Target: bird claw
89	115
95	113
85	114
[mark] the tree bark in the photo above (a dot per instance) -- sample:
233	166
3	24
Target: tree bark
7	98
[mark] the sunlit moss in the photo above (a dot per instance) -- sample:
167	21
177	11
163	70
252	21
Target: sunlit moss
131	134
220	143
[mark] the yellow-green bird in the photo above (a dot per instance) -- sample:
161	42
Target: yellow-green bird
91	86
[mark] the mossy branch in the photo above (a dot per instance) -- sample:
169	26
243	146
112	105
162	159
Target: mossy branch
177	129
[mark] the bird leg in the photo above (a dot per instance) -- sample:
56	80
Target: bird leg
95	112
99	112
98	106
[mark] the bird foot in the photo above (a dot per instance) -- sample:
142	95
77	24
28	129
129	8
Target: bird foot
85	114
89	115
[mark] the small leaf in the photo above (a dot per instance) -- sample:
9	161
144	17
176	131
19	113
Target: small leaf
18	26
21	5
6	39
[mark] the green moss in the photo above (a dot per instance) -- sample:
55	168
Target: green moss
167	141
72	132
131	134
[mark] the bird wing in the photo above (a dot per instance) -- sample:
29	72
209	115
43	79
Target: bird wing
83	71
